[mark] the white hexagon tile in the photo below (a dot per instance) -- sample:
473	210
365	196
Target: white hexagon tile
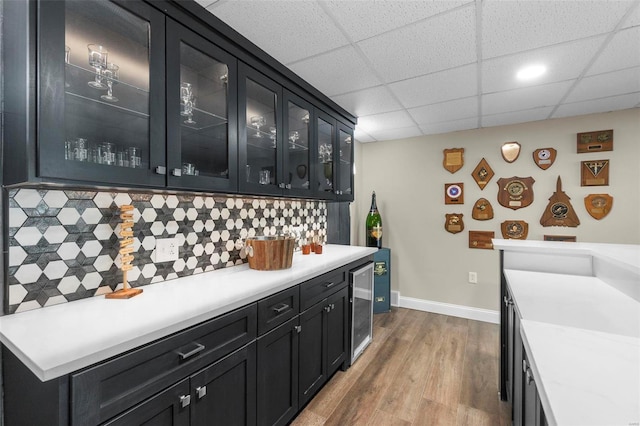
63	244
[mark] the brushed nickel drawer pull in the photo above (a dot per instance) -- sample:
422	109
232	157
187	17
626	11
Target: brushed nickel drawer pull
281	308
329	285
185	401
199	348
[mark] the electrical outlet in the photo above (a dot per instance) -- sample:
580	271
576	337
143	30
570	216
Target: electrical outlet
473	277
166	250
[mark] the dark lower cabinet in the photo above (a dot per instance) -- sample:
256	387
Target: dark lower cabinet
225	392
323	342
277	375
163	409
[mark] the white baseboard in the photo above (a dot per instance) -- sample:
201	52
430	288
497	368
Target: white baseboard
460	311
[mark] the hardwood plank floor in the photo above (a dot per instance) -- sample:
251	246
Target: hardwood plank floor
420	369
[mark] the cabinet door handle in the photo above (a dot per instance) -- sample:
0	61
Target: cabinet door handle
333	306
529	376
199	348
298	328
327	308
329	285
161	170
280	308
281	185
524	366
176	172
201	391
185	401
288	186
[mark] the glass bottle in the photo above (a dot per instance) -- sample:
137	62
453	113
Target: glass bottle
374	225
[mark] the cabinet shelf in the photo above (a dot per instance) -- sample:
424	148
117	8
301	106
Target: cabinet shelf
203	120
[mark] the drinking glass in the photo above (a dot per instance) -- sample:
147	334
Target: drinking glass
258	121
111	74
265	177
67	54
135	157
186	95
273	137
98	60
293	137
108	153
80	149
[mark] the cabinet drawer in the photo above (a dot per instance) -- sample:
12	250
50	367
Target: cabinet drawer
98	393
277	309
316	289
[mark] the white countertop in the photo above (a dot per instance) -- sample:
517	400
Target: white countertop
584	377
58	340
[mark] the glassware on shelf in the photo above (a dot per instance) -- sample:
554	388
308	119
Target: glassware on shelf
224	78
108	151
273	137
98	60
67	54
111	75
186	95
265	177
305	118
258	121
191	104
135	157
293	137
189	169
80	149
325	151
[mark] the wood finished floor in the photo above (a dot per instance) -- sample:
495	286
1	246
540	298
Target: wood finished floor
420	369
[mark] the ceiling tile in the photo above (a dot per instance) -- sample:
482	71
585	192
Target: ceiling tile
364	19
368	101
604	85
400	133
612	103
633	19
347	73
395	120
516	117
525	98
443	42
446	111
619	53
449	126
361	136
512	26
275	26
564	62
441	86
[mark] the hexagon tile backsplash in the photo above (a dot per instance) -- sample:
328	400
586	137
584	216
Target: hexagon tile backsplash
63	244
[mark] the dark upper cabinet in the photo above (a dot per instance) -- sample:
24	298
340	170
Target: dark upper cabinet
201	113
325	135
100	87
344	163
298	167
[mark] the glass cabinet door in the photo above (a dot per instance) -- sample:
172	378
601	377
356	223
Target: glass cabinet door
101	96
260	129
297	153
201	122
326	135
344	160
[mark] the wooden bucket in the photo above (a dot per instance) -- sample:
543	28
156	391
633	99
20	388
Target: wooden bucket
270	253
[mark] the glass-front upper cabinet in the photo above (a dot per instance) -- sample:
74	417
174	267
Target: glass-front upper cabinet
101	92
201	112
259	132
297	163
325	136
344	161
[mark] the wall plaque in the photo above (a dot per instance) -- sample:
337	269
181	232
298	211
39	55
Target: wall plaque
481	239
515	192
568	238
453	193
453	223
514	229
453	159
601	140
482	174
598	205
510	151
482	210
544	157
559	211
594	173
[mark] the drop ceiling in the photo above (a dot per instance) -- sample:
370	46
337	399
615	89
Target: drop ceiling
408	68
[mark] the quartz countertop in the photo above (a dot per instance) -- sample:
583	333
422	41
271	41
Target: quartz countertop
58	340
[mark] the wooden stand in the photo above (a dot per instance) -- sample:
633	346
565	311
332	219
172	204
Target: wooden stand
126	248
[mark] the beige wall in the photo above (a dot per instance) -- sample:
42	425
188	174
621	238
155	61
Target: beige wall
431	264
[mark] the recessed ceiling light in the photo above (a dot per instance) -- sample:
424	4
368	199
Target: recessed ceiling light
531	72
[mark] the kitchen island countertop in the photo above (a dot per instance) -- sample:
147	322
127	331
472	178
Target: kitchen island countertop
60	339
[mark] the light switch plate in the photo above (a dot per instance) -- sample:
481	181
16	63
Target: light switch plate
166	250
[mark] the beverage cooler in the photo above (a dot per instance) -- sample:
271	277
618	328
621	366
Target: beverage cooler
361	297
382	281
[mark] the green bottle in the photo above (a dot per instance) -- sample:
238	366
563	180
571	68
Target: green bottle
374	225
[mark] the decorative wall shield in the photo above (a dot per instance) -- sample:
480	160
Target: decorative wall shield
559	211
453	159
482	210
510	151
514	229
515	192
482	174
594	173
544	157
453	223
601	140
481	239
454	193
598	205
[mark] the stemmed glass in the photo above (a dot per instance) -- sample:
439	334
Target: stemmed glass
111	74
293	137
273	137
191	104
98	60
188	102
258	121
